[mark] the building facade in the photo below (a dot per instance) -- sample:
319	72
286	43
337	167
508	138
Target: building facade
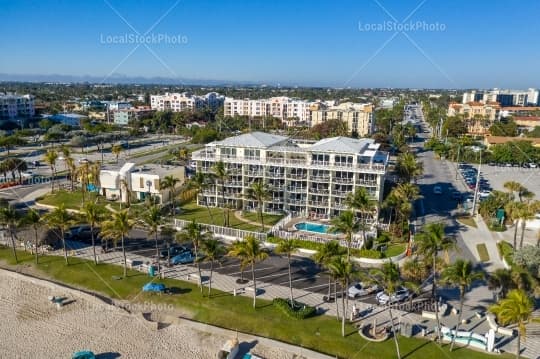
185	101
125	117
530	97
358	117
310	179
16	106
478	116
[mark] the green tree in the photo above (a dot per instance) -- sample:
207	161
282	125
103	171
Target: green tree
195	234
170	182
213	251
501	279
33	219
408	168
199	183
94	215
342	270
259	192
153	220
116	150
60	219
221	174
288	247
118	229
460	274
10	218
237	250
516	308
360	201
324	256
347	224
254	253
50	158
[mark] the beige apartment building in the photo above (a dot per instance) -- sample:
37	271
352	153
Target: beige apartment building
358	117
479	116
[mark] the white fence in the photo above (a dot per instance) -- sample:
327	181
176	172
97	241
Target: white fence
281	223
179	224
314	238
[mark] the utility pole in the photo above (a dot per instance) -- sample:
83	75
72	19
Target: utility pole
457	160
477	185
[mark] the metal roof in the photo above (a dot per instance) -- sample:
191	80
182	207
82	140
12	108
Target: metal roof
252	139
341	145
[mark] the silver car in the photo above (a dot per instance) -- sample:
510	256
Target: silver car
400	295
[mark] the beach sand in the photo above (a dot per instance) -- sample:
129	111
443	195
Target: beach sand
31	326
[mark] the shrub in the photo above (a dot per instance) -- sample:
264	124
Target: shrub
506	251
371	253
298	311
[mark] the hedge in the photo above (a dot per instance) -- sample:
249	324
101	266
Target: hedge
304	311
506	251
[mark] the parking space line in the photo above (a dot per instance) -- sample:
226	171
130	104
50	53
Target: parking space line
299	279
249	270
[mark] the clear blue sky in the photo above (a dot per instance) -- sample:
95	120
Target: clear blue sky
480	43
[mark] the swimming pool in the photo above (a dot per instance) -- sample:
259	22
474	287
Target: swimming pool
312	227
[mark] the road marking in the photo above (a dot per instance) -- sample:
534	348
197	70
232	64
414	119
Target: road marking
315	286
273	275
249	270
299	279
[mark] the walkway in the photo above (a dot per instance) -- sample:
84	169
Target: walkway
238	216
482	235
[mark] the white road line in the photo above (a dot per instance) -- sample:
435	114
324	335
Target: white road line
299	279
315	286
273	275
247	270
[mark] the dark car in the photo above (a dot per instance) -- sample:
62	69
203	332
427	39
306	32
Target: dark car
173	251
83	233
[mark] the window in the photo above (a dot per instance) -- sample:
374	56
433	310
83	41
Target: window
141	182
156	184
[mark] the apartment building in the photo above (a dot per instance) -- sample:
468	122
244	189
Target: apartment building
14	106
479	116
292	111
311	179
504	97
138	183
185	101
358	117
125	117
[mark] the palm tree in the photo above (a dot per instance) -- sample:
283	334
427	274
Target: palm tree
116	150
429	242
61	219
342	269
195	186
259	192
170	182
118	228
152	220
516	308
325	255
408	168
460	274
33	219
213	250
288	247
513	186
346	223
360	201
388	277
72	168
195	234
415	270
513	211
501	279
125	186
254	253
83	173
237	249
10	218
50	158
94	214
221	174
527	213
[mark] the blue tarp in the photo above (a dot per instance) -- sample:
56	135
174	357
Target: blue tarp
153	287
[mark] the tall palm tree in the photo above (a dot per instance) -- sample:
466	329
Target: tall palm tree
360	201
516	308
195	234
33	219
213	251
288	247
415	270
325	255
72	169
343	270
515	187
527	213
116	150
195	186
60	219
221	174
429	243
388	277
259	192
118	228
170	182
124	186
460	274
83	174
237	250
254	253
513	211
94	214
50	158
10	218
501	279
408	167
346	223
152	220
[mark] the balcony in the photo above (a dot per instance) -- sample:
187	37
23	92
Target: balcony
275	174
366	183
297	189
276	200
320	178
340	193
297	202
235	195
343	180
318	203
319	190
255	173
296	176
234	184
277	187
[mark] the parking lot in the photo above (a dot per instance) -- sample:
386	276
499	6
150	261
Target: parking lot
498	175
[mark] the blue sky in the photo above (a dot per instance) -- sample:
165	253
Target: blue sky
478	44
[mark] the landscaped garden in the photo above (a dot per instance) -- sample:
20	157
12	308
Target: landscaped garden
321	333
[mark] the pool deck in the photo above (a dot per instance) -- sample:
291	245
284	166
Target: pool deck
290	227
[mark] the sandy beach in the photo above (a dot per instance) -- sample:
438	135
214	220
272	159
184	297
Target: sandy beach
31	326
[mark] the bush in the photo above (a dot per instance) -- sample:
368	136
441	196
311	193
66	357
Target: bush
506	251
370	253
298	311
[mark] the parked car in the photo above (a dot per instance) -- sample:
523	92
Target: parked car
400	295
437	190
182	258
359	289
456	195
172	251
83	233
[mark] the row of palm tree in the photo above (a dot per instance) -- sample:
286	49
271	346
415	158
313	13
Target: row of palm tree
524	209
14	166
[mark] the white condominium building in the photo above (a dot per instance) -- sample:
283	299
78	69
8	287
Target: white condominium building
13	106
185	101
358	117
292	111
304	179
504	97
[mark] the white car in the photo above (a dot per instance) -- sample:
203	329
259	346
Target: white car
360	289
437	190
400	295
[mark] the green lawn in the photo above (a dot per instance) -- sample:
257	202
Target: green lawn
71	200
191	211
482	252
320	333
269	219
468	221
395	249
